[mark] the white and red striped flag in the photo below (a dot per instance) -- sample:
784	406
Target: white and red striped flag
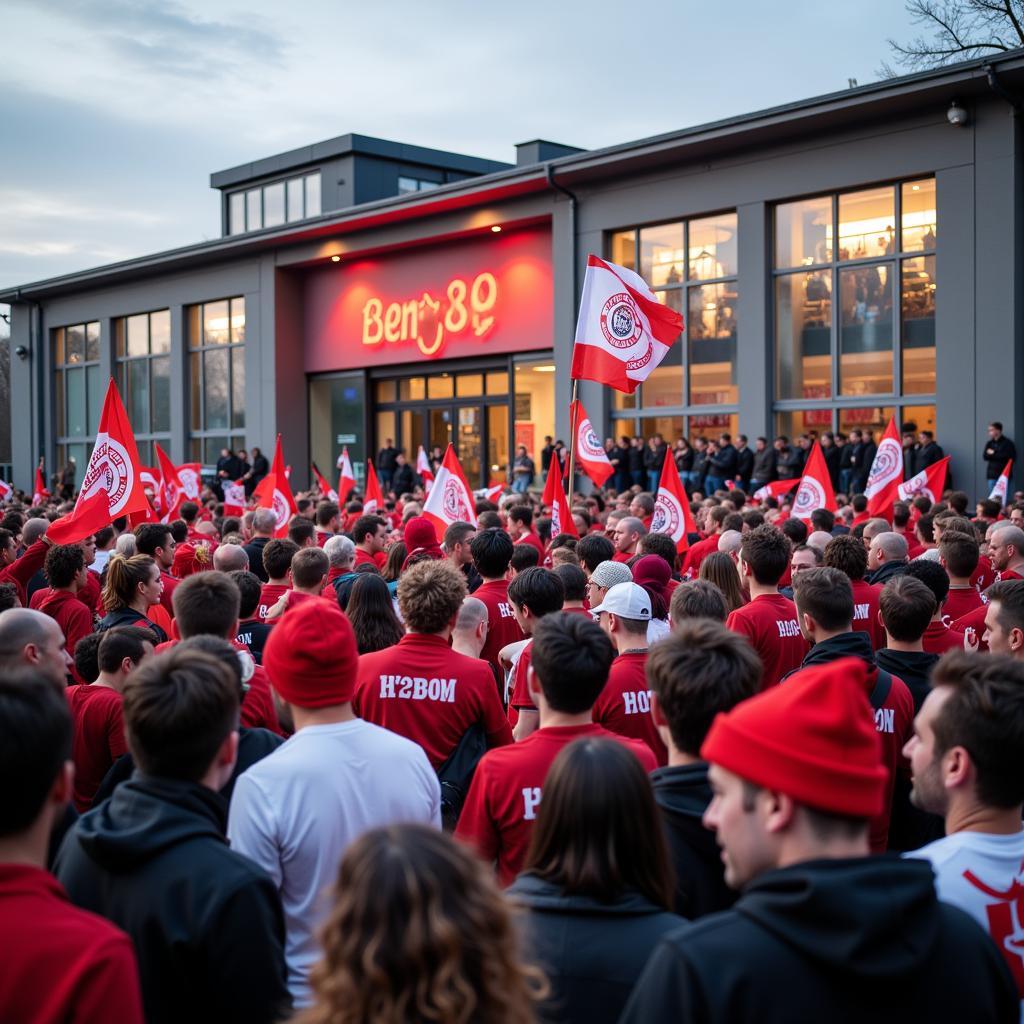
326	490
815	490
554	497
275	492
424	470
931	481
373	501
450	499
1002	487
775	489
623	332
672	513
886	474
590	453
347	480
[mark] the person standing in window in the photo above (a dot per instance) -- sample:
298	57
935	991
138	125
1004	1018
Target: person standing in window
523	470
999	449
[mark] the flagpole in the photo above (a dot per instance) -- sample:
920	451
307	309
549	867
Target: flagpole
572	441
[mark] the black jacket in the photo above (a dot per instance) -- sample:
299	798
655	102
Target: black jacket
911	460
130	617
789	463
913	667
654	458
591	952
404	479
260	468
842	941
764	465
635	458
254	549
996	454
833	462
230	465
886	571
724	462
683	457
744	463
206	922
386	459
929	455
682	794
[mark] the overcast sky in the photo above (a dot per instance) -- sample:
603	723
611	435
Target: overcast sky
113	113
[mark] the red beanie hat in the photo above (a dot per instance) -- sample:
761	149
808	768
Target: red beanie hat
311	656
813	738
420	539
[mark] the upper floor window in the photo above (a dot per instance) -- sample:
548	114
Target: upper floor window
407	184
273	204
78	389
142	345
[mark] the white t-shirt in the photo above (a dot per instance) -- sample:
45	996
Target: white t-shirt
983	874
295	812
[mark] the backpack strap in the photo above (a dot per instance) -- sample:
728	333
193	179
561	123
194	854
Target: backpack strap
880	692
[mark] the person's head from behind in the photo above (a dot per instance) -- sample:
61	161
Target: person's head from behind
574	581
764	555
1004	618
906	606
121	651
719	568
309	570
372	613
796	772
418	930
933	576
659	544
824	603
239	663
181	717
65	567
471	626
569	663
700	670
86	657
492	551
207	602
32	639
525	556
230	558
302	531
429	596
264	522
968	737
886	547
594	549
959	554
848	555
277	559
534	593
598	832
249	589
697	599
341	553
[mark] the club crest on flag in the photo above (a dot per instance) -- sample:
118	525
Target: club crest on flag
620	321
190	479
454	501
110	469
809	496
668	514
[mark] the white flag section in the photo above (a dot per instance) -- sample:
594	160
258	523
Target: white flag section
424	470
234	496
6	490
450	499
623	331
1002	485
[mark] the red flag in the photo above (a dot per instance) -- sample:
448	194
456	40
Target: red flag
672	513
172	490
326	490
886	474
373	500
6	490
623	331
88	517
347	480
492	493
234	497
931	481
40	492
590	453
275	492
424	470
1002	487
114	463
450	499
815	490
776	489
554	497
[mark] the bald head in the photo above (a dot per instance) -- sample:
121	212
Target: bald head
472	612
30	638
887	547
873	527
820	540
1006	547
730	541
230	558
264	522
470	632
34	529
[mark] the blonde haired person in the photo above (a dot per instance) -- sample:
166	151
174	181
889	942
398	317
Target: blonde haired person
133	585
419	931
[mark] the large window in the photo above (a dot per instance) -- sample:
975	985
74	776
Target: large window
142	348
216	378
691	266
273	204
854	288
78	390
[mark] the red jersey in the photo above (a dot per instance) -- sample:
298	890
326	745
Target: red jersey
770	625
502	627
97	740
61	963
89	595
425	691
503	799
521	698
865	611
939	638
984	576
258	710
295	598
961	600
378	559
894	723
624	705
270	594
22	569
623	556
322	537
578	611
534	541
170	583
973	620
73	618
1008	574
696	554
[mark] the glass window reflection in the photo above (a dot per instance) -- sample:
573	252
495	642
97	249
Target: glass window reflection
918	217
803	318
803	232
867	224
711	328
662	255
712	247
917	303
866	330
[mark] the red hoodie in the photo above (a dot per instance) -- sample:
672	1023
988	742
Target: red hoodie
22	569
73	618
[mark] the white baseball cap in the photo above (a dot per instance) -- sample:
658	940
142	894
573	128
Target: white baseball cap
628	600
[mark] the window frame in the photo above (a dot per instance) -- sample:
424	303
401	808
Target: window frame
243	193
65	441
121	370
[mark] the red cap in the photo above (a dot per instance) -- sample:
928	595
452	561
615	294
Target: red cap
813	738
421	538
311	656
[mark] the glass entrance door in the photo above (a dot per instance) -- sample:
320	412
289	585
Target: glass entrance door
469	446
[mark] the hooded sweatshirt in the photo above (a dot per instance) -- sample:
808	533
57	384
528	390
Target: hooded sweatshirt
206	922
894	718
844	941
682	794
74	619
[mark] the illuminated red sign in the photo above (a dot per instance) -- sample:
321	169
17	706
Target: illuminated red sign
453	300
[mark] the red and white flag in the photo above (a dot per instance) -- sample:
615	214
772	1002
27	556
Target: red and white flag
172	490
191	476
373	501
931	481
40	493
886	474
234	497
424	470
275	492
491	494
623	332
776	489
1002	487
347	480
112	484
326	490
555	499
450	499
151	485
590	453
6	490
815	490
672	513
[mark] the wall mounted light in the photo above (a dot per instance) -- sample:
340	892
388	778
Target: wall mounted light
21	352
956	115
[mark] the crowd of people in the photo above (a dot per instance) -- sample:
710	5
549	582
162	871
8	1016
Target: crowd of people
364	773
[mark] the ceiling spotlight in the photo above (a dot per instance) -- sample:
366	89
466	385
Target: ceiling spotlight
956	115
496	228
335	259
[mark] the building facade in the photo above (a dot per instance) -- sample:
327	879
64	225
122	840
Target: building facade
837	261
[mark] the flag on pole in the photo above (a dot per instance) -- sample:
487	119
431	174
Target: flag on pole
326	490
672	513
590	453
40	493
234	497
347	480
450	499
373	502
112	485
275	492
424	470
776	489
172	490
623	332
815	490
931	481
1002	487
554	497
886	474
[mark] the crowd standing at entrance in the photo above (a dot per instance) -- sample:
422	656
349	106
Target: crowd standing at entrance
364	773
